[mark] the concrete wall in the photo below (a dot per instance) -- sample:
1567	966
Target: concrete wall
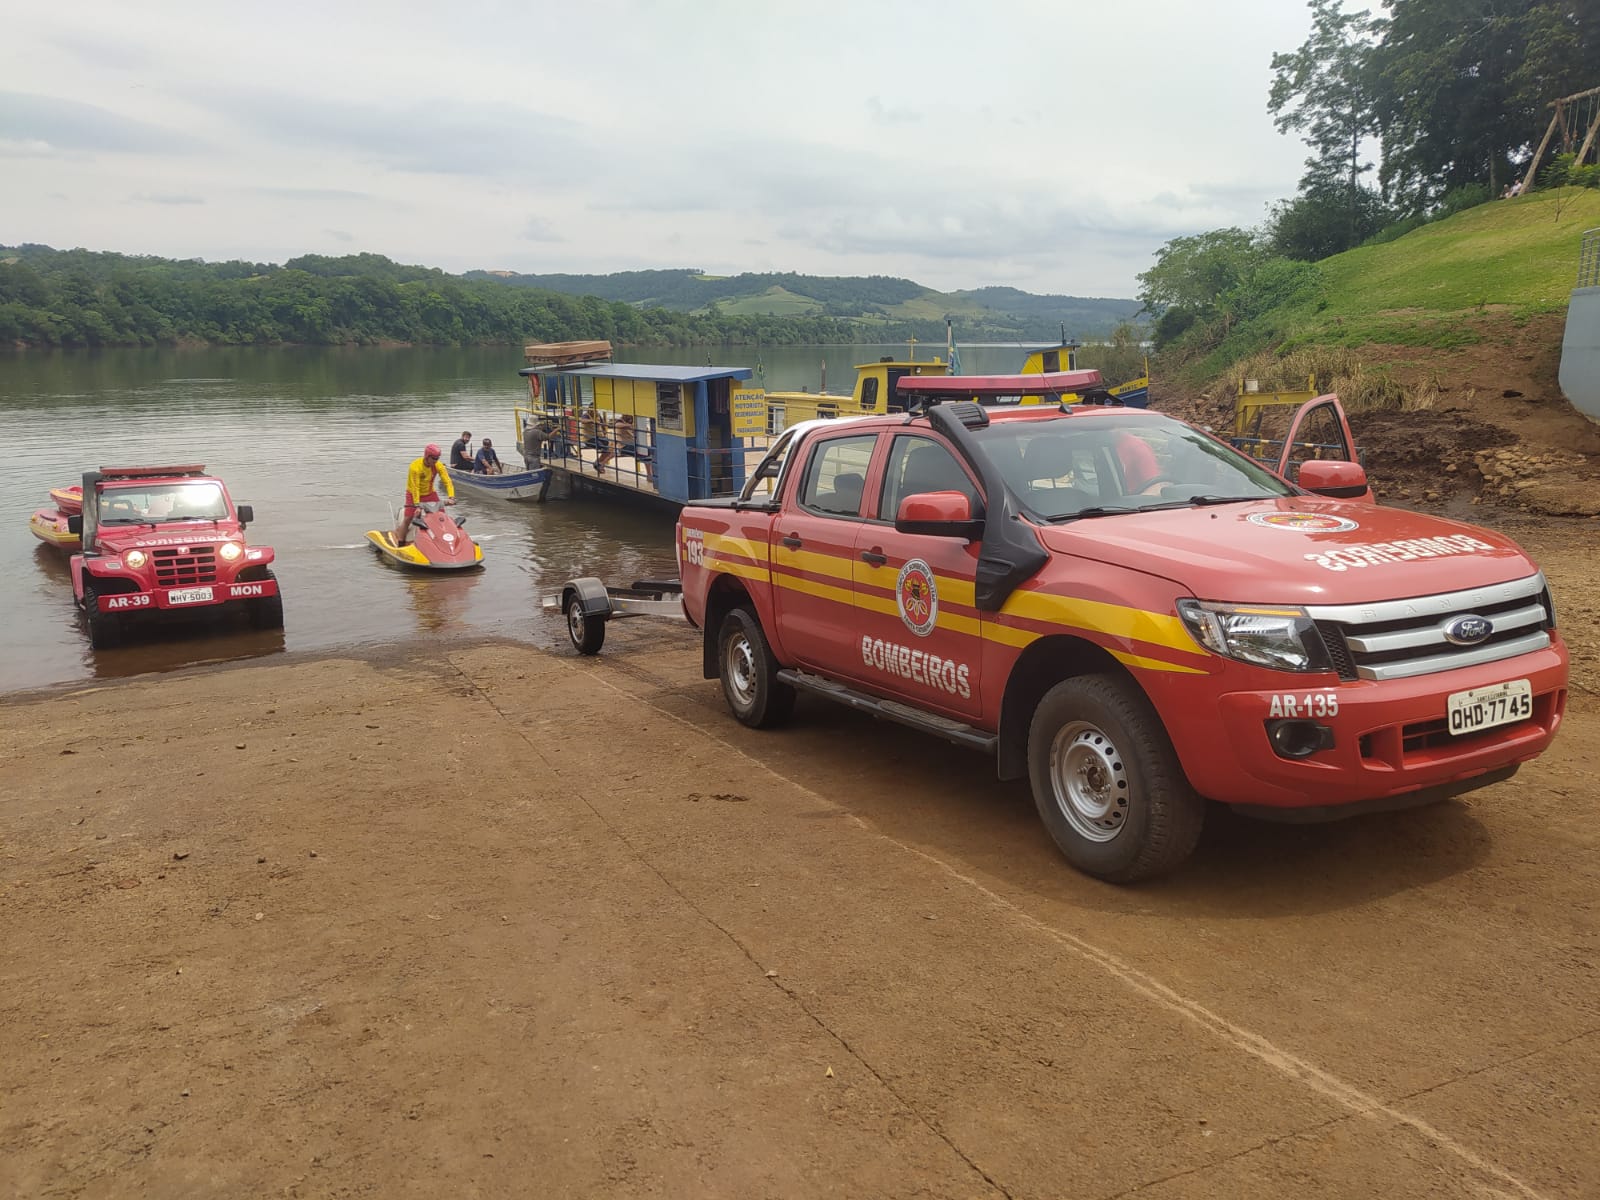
1580	353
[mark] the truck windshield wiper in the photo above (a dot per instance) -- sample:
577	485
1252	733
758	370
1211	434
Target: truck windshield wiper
1098	510
1225	499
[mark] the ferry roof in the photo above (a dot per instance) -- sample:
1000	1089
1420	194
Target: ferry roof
1000	385
645	372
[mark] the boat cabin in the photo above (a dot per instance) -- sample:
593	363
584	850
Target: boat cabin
876	388
658	431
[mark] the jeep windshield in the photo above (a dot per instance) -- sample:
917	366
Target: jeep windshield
1105	465
156	503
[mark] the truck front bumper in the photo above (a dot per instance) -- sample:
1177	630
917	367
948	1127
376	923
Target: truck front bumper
1390	740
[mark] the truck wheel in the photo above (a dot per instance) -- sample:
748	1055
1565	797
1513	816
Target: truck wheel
1107	782
105	629
588	632
750	672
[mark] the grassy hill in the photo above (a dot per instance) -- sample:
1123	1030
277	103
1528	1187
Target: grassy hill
1509	260
995	312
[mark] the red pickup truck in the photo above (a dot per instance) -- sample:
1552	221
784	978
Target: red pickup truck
1129	612
166	539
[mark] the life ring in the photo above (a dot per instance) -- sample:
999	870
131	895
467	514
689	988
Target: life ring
534	386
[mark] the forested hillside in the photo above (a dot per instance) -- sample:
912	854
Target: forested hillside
70	298
991	312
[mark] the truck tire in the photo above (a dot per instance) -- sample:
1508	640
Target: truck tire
1107	782
586	631
750	672
105	629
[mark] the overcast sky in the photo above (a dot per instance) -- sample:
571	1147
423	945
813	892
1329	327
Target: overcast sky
1051	145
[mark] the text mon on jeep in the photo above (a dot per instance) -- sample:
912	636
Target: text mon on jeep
160	540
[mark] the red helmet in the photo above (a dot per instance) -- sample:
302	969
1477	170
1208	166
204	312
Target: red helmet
430	451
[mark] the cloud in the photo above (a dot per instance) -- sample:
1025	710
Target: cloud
339	235
70	125
439	135
102	52
165	199
881	114
539	230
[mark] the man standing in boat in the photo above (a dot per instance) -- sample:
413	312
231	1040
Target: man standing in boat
420	489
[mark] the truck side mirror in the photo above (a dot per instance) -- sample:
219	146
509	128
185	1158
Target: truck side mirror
75	525
939	514
1335	478
247	513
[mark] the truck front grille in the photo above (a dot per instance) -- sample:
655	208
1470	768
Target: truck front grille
1398	639
180	566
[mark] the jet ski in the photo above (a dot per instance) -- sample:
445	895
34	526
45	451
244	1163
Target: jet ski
438	542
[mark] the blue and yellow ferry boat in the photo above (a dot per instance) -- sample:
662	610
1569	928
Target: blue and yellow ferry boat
658	432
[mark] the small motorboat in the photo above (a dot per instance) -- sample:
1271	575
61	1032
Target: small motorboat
513	485
438	542
68	500
50	525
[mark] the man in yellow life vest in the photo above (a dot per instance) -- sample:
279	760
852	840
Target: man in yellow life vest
420	489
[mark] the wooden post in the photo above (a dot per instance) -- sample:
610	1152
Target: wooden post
1533	165
1594	127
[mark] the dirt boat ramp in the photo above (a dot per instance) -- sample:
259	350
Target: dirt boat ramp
481	920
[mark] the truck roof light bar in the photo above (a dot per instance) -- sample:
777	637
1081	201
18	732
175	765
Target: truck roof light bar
143	472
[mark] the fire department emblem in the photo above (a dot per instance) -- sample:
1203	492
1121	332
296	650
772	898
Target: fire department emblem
917	598
1303	521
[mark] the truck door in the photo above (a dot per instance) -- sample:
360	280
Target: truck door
919	637
813	541
1320	431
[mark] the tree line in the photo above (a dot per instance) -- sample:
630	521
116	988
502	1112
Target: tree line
1409	117
82	298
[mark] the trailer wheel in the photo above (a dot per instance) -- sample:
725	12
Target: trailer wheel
105	629
1107	782
750	672
588	632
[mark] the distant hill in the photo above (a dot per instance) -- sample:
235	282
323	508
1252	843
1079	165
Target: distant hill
1001	313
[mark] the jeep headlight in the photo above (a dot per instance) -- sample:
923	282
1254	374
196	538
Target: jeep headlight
230	551
1281	639
135	558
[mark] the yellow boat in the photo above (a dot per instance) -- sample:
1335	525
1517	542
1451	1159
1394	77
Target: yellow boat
50	525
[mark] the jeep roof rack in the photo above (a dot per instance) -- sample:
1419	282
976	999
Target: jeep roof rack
141	472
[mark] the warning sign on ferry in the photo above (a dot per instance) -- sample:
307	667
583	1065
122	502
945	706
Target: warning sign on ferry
749	408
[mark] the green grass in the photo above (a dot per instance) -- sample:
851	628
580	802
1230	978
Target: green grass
1522	254
1503	261
774	302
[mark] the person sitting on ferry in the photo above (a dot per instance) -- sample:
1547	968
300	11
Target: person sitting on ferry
461	452
487	462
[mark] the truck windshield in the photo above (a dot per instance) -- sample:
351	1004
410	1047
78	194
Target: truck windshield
154	503
1100	465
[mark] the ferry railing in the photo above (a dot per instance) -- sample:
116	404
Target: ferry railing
573	436
1589	260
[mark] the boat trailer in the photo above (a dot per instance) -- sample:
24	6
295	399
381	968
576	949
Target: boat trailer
588	604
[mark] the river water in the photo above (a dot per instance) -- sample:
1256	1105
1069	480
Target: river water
318	441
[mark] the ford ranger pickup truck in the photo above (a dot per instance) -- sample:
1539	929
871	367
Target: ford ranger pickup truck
1129	612
159	540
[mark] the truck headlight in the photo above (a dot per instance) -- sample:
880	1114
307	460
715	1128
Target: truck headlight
1281	639
135	558
230	551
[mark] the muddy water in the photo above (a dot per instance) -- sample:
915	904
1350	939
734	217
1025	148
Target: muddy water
318	442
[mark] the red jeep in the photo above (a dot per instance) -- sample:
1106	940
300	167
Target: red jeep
166	539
